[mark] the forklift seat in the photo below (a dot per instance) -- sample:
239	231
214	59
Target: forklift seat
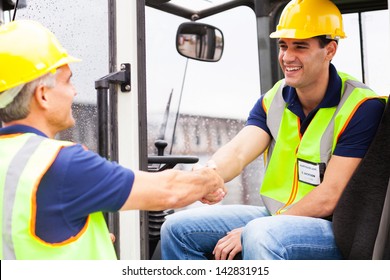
361	220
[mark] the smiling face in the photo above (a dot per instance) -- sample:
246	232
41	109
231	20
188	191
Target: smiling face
304	62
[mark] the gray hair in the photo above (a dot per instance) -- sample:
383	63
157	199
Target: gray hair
19	108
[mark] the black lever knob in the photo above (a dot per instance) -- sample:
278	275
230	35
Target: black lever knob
160	145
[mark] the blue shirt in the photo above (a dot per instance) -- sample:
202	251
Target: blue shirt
78	183
357	136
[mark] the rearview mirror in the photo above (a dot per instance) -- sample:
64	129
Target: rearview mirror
199	41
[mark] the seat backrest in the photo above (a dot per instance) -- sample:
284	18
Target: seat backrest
382	243
358	215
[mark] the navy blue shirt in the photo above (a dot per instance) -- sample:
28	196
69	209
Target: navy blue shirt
357	136
78	183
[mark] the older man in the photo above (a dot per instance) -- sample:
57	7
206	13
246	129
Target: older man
53	192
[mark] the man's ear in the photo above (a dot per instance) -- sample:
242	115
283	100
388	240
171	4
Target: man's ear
41	96
331	49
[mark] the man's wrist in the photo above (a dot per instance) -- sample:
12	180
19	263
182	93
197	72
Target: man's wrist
211	163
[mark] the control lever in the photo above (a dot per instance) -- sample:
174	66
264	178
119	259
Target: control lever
157	218
167	162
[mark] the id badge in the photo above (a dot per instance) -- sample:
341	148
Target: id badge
310	172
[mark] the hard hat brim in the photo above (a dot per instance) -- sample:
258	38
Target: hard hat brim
296	34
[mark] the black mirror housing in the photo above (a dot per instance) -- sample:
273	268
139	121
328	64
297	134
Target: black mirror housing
8	5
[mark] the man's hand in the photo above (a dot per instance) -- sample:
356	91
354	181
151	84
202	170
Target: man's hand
229	246
216	196
112	237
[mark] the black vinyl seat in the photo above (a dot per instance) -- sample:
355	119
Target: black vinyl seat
361	219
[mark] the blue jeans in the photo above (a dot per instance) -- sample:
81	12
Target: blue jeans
192	234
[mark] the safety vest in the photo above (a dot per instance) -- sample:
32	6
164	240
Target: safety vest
296	163
25	158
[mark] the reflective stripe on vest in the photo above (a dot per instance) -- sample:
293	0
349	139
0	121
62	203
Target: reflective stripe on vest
25	159
17	165
281	188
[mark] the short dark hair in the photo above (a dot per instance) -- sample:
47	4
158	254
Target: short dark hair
323	40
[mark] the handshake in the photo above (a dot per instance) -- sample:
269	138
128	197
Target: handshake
175	188
214	184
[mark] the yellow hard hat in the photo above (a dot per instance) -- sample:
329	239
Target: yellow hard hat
27	51
302	19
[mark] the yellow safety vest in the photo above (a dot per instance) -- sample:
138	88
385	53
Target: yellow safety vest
296	163
25	158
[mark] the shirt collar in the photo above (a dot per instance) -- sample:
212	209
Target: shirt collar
19	128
